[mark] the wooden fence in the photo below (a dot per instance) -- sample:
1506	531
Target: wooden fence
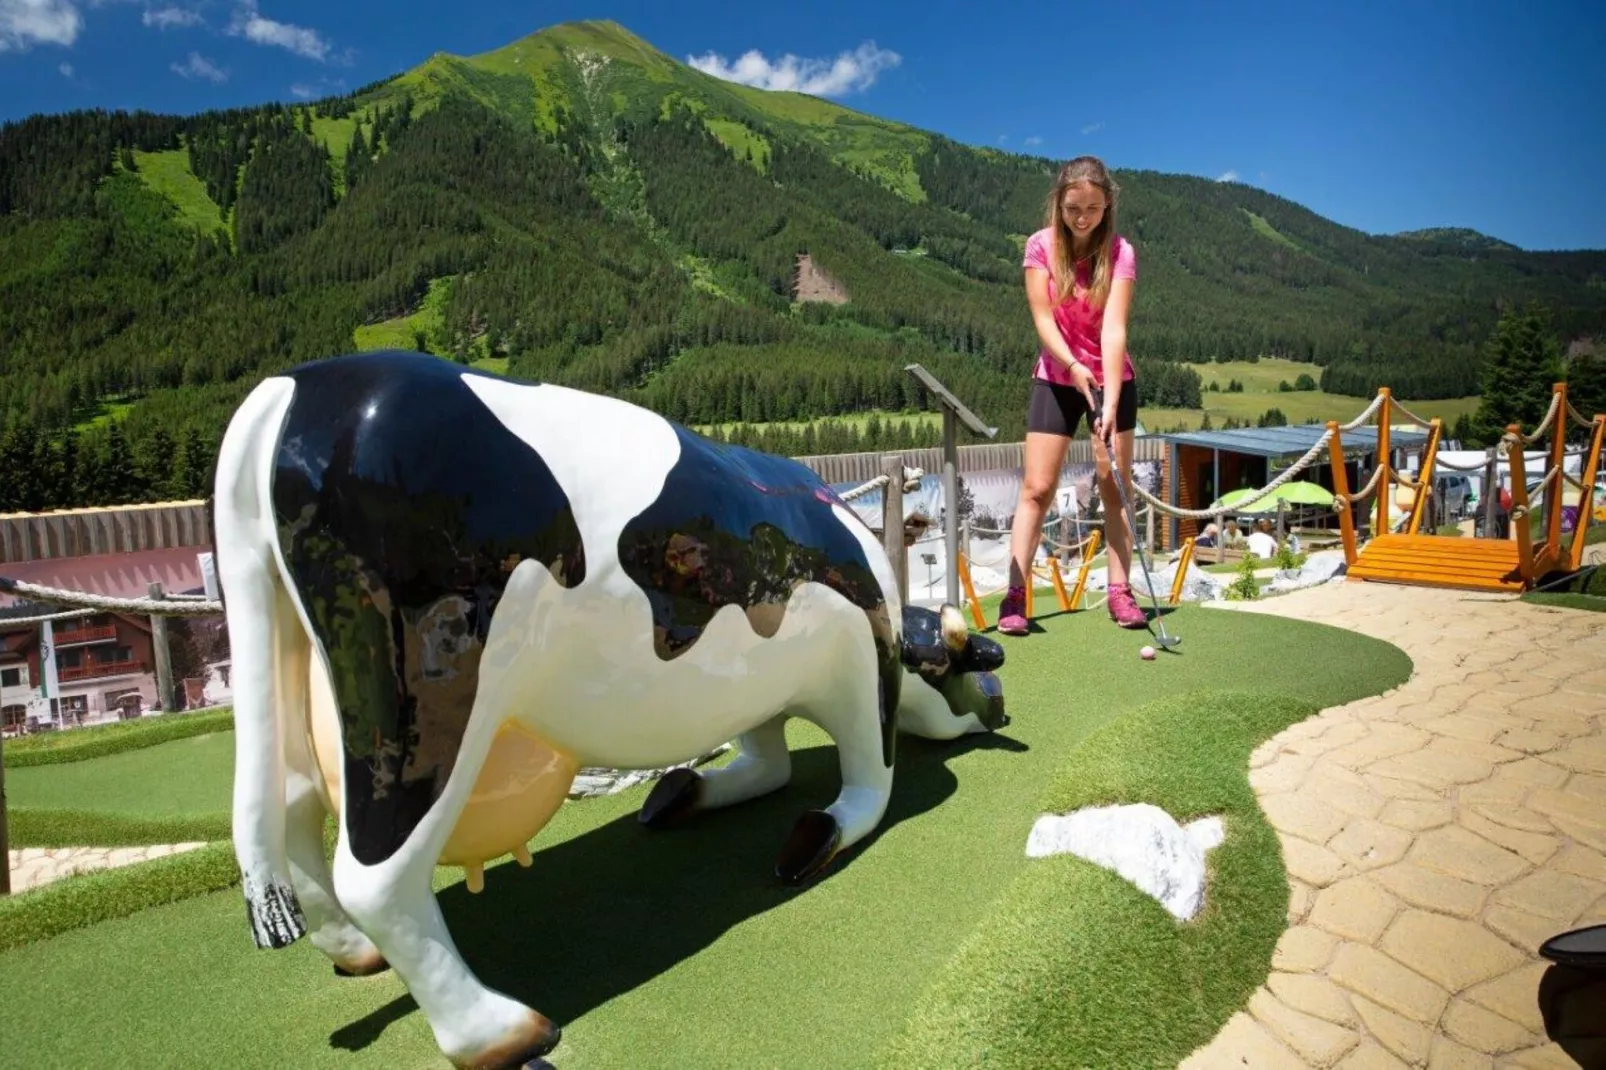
863	467
112	530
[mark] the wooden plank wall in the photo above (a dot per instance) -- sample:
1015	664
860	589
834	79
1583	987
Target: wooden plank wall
113	530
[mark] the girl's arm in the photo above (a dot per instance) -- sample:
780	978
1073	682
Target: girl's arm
1112	344
1049	332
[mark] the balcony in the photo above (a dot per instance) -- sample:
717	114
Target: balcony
80	636
97	670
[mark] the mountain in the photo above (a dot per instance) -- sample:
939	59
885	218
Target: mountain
1462	237
578	207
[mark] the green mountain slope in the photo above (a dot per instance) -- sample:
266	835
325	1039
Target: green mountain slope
582	208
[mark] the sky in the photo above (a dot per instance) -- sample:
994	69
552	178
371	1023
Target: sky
1380	116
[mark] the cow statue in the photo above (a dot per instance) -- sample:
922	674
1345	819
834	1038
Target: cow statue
447	591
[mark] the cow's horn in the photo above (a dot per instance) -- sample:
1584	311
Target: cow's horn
955	633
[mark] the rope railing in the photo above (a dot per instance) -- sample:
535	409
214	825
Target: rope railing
911	483
71	614
154	607
1544	425
1577	417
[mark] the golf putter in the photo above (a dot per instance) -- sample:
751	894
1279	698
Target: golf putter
1166	640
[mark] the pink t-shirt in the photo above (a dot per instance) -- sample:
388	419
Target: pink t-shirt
1080	325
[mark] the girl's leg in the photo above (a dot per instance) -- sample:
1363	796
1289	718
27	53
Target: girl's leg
1117	535
1044	455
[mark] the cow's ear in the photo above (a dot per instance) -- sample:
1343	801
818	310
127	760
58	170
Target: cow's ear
985	654
955	634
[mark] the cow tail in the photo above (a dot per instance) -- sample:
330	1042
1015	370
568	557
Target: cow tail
250	578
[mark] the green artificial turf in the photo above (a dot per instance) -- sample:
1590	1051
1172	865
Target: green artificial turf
118	737
178	778
1075	959
680	949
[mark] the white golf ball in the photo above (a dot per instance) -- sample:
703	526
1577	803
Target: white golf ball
1147	653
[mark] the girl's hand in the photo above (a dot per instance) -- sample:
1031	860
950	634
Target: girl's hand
1084	382
1107	420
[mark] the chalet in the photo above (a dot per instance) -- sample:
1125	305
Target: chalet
104	668
105	662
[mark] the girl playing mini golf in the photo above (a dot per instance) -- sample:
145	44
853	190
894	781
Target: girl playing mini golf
1079	279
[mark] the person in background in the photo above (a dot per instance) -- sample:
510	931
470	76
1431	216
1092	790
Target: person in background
1079	279
1262	543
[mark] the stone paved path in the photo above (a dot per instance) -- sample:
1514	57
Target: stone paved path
34	866
1434	837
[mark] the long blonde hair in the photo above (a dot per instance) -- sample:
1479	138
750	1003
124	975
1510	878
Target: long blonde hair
1092	170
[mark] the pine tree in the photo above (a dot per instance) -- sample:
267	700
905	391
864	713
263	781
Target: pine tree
1586	383
1521	363
193	467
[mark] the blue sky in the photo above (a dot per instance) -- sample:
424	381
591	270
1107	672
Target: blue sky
1380	116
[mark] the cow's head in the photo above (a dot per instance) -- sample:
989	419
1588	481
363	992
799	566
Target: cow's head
945	654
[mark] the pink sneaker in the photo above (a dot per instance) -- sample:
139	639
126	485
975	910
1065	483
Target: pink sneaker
1012	612
1124	608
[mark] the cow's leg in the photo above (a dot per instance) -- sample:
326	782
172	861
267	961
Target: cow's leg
924	712
761	765
847	705
331	931
394	903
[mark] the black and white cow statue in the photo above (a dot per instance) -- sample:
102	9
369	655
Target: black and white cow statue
447	591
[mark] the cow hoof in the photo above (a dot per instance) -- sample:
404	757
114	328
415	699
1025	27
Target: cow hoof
810	848
516	1055
362	969
677	796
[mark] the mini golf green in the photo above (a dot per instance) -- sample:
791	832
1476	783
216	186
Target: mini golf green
936	942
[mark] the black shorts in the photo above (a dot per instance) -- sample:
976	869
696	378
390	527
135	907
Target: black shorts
1056	410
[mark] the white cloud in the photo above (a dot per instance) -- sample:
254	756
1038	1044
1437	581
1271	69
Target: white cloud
1092	128
24	23
1034	141
250	24
168	17
849	72
200	67
1228	176
66	70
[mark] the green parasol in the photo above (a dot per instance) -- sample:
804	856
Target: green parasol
1295	492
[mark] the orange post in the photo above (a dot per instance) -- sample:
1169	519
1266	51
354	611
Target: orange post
1586	502
1519	501
970	592
1088	553
1183	561
1059	583
1384	491
1031	585
1424	475
1558	454
1346	516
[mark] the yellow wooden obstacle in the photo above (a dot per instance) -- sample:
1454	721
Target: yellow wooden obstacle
1489	564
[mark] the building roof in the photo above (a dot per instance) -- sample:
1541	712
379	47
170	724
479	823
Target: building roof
177	568
1293	441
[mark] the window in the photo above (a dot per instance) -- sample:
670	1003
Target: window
10	677
124	653
69	659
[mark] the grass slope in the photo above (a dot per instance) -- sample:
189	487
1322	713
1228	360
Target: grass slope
182	777
168	173
647	946
1074	959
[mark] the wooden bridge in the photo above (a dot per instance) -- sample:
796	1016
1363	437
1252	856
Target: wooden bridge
1488	564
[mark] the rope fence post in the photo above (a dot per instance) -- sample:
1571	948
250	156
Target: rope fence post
164	655
892	520
1519	504
5	838
1089	552
1346	515
1491	491
1385	460
1558	449
1586	498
